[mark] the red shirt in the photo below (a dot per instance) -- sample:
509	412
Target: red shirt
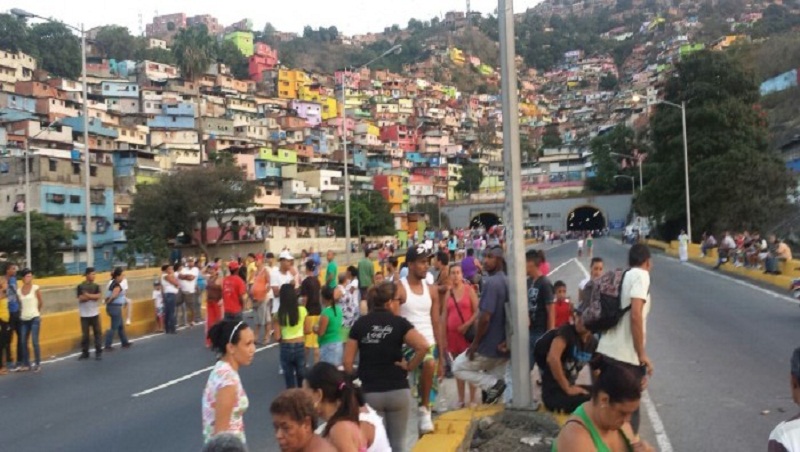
563	312
232	290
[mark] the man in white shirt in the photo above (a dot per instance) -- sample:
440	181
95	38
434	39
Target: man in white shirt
280	276
187	279
786	436
626	341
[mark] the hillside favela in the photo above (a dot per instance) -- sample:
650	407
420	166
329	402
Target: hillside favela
289	198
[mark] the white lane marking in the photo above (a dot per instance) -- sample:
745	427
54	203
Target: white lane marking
582	267
561	266
138	339
664	444
188	376
718	274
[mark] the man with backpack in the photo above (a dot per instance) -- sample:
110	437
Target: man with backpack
625	340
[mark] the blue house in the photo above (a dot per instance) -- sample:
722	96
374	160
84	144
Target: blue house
176	116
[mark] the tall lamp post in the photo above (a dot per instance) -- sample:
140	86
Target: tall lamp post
88	202
396	49
682	108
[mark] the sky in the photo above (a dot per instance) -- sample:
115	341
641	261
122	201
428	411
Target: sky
349	16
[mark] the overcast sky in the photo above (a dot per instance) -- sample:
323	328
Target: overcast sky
349	16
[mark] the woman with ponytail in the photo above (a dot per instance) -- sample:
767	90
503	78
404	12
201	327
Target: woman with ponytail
224	399
336	401
329	329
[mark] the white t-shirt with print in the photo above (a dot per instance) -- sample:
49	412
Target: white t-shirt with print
617	343
278	279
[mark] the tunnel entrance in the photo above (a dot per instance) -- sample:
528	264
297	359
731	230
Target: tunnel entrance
586	218
485	220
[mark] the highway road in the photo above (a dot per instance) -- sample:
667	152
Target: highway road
720	350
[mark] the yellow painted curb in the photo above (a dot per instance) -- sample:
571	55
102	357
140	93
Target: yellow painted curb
453	430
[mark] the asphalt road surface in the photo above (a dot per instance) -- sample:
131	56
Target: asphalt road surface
720	350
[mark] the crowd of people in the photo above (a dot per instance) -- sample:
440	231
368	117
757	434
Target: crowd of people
743	249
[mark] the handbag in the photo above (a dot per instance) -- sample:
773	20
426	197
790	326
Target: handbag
469	335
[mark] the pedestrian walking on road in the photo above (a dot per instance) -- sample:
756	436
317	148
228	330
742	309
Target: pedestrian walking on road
336	402
309	297
462	314
14	323
683	246
601	424
625	342
331	271
290	327
170	287
541	310
595	272
366	272
295	420
562	306
786	436
30	300
261	309
190	297
214	303
89	298
379	338
329	328
115	301
158	302
420	304
224	399
234	294
5	332
484	362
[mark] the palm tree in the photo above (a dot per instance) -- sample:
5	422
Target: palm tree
194	51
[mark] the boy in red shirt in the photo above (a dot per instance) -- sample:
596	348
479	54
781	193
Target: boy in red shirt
562	305
233	294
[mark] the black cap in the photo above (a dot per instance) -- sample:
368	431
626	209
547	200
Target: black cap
416	253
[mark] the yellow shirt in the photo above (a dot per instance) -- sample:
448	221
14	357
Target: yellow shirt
295	331
4	315
251	272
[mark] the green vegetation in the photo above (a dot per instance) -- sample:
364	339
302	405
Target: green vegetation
186	199
471	178
736	181
621	140
47	236
369	214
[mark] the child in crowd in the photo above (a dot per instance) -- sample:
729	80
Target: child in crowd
158	300
562	305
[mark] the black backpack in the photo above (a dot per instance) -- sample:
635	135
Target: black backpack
542	348
601	307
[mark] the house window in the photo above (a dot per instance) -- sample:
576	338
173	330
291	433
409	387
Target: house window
98	196
53	165
76	168
93	171
55	198
74	199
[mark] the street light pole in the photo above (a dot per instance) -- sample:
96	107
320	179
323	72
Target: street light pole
638	161
28	253
88	168
686	170
345	73
521	377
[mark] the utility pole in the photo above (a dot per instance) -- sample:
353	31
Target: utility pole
515	258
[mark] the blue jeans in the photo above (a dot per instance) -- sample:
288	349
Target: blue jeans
534	336
293	363
331	353
30	329
169	312
117	325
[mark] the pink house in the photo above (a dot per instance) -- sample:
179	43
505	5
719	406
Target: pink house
264	59
310	111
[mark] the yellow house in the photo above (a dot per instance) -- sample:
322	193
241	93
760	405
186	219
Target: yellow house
290	83
727	41
330	108
309	93
243	40
457	56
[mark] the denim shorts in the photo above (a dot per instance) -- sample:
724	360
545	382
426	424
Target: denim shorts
332	353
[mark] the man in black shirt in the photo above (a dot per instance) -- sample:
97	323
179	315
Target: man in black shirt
541	312
561	354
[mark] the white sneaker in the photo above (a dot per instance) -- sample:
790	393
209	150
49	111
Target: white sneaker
127	322
425	421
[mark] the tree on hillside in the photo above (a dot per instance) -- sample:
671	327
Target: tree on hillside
116	42
620	140
609	82
471	178
58	50
736	181
14	34
186	200
551	137
231	56
47	236
194	50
